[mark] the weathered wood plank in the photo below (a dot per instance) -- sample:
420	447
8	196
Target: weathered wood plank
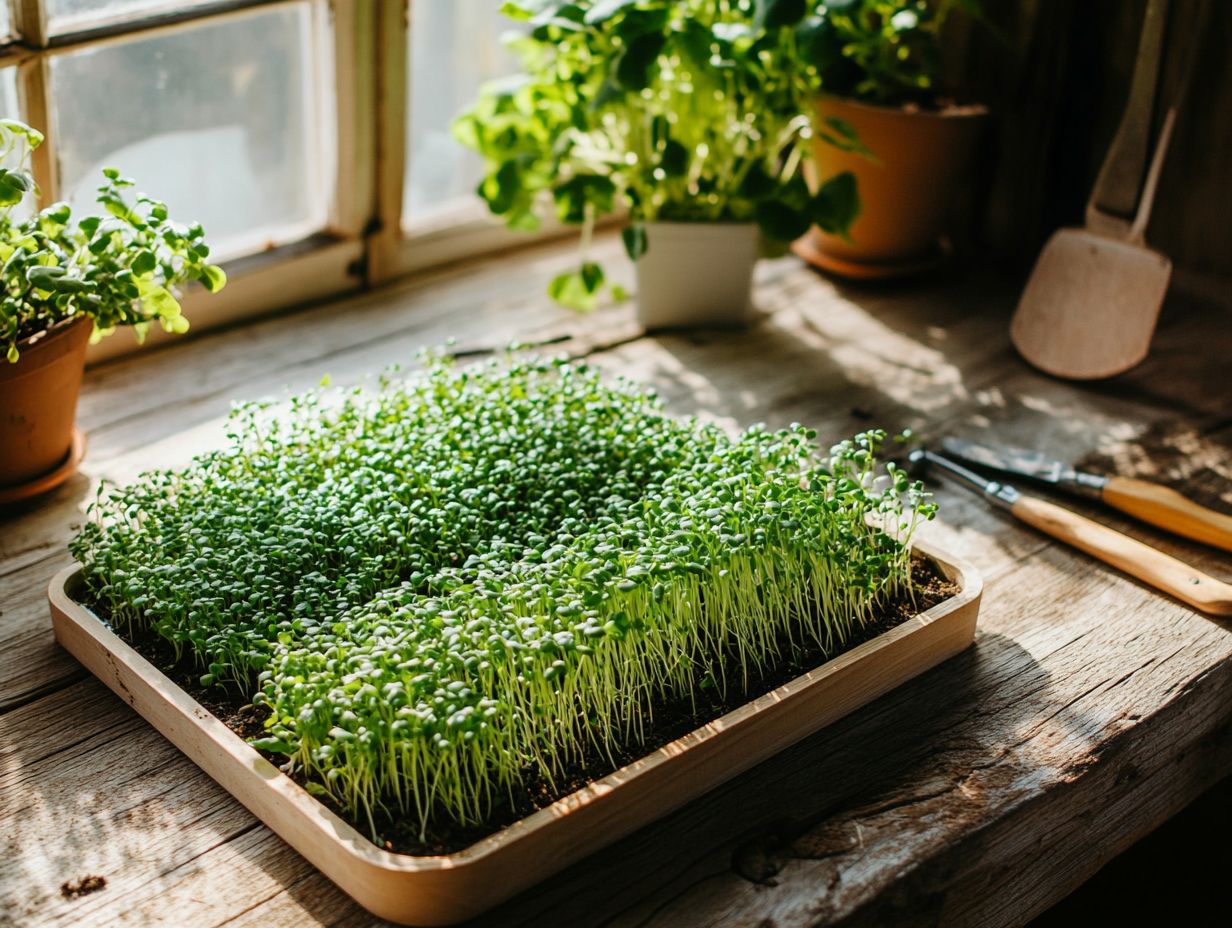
304	900
31	663
86	787
359	342
494	299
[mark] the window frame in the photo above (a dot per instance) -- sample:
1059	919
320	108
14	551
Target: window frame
396	249
364	94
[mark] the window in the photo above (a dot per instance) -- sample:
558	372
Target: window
434	60
311	138
76	16
455	48
220	120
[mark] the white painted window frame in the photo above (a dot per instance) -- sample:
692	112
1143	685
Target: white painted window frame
396	247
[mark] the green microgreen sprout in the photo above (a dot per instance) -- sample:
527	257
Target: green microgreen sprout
446	586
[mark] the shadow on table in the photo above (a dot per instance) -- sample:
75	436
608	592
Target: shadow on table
67	498
845	361
1126	891
911	747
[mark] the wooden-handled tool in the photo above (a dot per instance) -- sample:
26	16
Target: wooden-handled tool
1148	502
1149	565
1159	505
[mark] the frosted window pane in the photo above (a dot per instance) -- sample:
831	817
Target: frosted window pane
220	120
10	108
6	22
455	47
73	15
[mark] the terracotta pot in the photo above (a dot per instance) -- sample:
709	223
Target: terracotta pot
38	401
696	274
922	159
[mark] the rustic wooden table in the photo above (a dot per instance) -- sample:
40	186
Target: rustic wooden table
1089	710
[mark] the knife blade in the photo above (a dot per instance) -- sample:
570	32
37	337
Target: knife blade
1146	501
1026	463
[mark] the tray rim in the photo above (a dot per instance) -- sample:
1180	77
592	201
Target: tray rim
333	828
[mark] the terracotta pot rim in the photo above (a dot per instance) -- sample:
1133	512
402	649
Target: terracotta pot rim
55	330
43	347
951	111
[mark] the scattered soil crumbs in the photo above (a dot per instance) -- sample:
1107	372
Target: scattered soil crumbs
75	889
672	719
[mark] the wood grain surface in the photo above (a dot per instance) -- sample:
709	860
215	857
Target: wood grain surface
1090	709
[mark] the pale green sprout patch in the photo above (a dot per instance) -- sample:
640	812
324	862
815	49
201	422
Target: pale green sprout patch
450	587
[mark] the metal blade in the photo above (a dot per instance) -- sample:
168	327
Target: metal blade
1011	460
1000	493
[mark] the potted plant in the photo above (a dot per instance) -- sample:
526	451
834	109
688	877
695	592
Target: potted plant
686	113
67	282
879	65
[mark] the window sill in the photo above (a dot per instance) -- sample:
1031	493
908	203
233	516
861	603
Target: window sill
316	268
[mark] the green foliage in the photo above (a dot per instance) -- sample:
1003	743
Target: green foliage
448	587
836	204
879	51
678	110
119	269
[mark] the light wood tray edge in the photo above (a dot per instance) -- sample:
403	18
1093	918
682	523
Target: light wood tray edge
445	889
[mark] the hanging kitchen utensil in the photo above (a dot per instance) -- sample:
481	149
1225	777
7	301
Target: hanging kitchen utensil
1090	306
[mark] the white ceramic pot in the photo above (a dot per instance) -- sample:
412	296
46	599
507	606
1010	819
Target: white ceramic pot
696	274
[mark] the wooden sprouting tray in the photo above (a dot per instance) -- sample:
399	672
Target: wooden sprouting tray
441	890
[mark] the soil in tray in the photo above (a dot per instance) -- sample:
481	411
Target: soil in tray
672	719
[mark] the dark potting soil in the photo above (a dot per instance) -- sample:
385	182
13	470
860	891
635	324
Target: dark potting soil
672	719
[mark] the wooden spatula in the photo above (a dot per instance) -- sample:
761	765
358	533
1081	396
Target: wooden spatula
1090	307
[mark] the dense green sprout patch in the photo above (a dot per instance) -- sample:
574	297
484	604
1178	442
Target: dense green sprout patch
446	586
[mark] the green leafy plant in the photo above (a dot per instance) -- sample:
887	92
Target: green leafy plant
677	110
448	587
886	52
116	269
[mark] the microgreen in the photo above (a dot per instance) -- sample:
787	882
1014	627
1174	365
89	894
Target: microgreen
118	269
676	110
446	586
